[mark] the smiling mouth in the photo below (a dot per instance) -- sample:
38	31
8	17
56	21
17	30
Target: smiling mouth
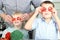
46	14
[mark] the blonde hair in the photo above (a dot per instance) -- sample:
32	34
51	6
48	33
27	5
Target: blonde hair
17	13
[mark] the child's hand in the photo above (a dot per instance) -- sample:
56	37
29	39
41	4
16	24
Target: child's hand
54	12
38	9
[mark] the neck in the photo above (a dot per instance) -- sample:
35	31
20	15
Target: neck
17	27
47	20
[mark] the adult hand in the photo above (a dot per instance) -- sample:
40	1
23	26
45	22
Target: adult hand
8	18
25	16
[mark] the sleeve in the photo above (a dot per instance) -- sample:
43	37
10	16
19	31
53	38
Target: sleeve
35	24
36	3
1	6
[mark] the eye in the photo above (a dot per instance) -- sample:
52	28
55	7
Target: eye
13	19
18	18
50	9
43	9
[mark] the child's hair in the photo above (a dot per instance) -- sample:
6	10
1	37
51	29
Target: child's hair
47	2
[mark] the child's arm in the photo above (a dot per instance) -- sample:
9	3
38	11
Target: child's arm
56	18
28	25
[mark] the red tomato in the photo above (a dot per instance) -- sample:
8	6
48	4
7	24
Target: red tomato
18	18
50	9
13	19
7	36
43	9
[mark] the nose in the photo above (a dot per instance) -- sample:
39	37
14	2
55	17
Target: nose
47	10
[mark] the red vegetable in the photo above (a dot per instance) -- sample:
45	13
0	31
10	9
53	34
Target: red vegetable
13	19
18	18
3	39
43	9
7	36
50	9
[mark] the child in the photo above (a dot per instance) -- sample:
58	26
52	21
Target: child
17	23
46	27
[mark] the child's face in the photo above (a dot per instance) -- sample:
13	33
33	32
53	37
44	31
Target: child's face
47	12
16	20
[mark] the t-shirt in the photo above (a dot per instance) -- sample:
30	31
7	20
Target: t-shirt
23	6
45	30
